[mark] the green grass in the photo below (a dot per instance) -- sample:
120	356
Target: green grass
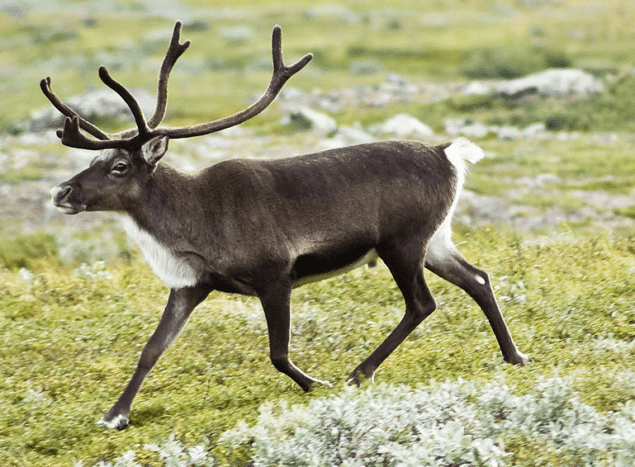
71	341
74	343
20	251
584	163
35	170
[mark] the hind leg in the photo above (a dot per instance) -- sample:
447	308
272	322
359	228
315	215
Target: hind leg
445	261
407	271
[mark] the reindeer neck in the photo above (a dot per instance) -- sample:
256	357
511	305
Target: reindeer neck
167	201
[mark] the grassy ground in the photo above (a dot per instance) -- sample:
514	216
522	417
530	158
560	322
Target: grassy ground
71	340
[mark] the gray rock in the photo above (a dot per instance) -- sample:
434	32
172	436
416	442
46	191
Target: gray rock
465	127
553	82
539	181
534	130
398	85
604	200
404	126
305	118
475	88
508	133
347	136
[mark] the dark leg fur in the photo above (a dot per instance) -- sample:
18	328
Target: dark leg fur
406	268
447	263
179	308
276	303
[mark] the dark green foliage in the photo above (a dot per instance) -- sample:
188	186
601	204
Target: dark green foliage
501	64
25	250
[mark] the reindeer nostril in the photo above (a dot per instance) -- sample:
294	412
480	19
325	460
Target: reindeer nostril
61	192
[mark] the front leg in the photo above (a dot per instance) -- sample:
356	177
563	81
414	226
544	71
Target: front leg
276	303
179	308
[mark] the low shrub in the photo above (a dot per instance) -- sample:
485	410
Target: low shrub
22	251
448	424
489	63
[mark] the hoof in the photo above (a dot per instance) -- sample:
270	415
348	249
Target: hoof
119	422
319	383
520	359
316	383
357	377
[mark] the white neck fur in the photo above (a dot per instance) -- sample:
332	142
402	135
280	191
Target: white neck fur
175	272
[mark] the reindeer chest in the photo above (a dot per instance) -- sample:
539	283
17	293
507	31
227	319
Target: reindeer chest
175	271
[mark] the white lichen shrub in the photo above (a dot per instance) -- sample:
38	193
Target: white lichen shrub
171	453
447	424
174	453
450	424
87	250
96	272
383	426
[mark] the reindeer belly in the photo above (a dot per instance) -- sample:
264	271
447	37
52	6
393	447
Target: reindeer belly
175	272
314	268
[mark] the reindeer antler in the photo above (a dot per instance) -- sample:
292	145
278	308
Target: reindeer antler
175	50
45	85
146	130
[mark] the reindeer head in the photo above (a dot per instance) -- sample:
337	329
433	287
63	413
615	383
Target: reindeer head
113	180
129	158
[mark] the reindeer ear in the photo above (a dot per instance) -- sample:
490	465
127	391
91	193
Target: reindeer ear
155	149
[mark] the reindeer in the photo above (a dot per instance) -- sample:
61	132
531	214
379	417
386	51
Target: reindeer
263	227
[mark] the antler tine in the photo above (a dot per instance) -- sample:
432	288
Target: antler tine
71	136
128	98
45	85
281	75
133	139
175	50
276	51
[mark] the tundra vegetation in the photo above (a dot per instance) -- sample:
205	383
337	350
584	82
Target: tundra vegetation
547	214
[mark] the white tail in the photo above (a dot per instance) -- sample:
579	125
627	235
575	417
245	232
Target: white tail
461	151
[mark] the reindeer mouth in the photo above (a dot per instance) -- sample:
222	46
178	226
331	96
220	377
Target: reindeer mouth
69	209
60	196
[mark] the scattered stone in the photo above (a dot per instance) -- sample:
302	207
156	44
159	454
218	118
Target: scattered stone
305	118
604	200
553	82
347	136
394	90
398	85
483	209
473	129
534	130
508	133
475	88
465	127
404	126
539	181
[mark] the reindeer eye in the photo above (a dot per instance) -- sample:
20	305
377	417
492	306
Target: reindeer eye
119	168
